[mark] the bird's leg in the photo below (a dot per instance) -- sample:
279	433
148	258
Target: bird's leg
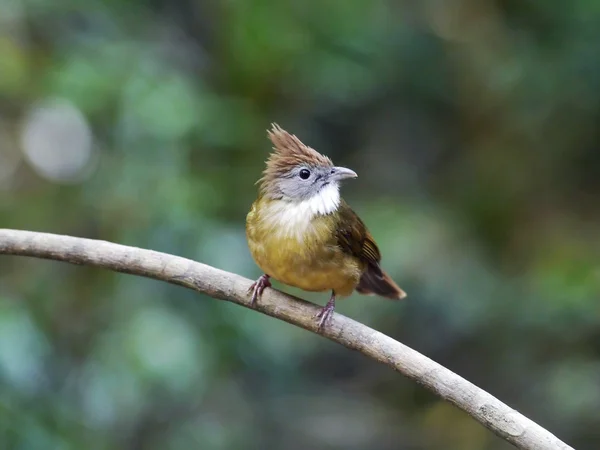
325	314
258	287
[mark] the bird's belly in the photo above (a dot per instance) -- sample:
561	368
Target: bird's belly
316	268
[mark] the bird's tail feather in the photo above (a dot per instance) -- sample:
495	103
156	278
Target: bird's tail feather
379	283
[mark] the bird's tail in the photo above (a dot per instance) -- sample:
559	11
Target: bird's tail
377	282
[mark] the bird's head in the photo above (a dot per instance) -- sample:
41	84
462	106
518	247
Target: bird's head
298	173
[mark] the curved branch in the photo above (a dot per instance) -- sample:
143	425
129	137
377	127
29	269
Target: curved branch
483	407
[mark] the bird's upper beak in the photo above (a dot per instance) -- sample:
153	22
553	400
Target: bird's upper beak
341	173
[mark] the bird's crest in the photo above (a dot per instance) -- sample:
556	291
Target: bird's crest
288	152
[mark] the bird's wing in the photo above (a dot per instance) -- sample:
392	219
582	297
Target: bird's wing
354	238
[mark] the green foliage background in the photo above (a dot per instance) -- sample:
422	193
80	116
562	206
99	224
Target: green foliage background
473	128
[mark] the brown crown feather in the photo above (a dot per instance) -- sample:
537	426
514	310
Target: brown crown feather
289	152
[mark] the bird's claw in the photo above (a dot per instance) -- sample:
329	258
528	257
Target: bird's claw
258	287
325	316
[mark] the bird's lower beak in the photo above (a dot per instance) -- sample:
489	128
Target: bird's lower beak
341	173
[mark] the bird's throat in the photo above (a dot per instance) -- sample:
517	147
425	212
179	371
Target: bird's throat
324	202
295	217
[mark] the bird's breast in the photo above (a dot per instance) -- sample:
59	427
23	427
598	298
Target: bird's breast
300	250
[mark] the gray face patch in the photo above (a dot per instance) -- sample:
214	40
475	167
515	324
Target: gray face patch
304	182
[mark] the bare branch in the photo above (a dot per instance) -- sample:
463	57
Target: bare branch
483	407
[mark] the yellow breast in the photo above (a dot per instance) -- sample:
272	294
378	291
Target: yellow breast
299	250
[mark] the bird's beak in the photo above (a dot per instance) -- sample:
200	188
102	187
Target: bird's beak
341	173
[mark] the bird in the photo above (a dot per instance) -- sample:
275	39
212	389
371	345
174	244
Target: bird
301	232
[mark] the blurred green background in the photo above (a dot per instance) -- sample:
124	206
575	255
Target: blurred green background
473	126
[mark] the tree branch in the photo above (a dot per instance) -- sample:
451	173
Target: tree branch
483	407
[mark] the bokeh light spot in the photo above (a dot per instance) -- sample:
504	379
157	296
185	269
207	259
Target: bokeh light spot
57	141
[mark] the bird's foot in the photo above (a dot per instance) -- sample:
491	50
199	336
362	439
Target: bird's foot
258	287
326	313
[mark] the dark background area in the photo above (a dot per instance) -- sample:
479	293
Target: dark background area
473	126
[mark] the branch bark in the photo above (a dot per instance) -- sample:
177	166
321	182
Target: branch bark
483	407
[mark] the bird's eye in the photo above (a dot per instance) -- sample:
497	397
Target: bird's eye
304	174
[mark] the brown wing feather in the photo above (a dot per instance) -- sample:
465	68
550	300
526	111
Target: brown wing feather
354	239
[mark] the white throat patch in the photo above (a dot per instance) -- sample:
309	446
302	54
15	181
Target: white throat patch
295	218
325	202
